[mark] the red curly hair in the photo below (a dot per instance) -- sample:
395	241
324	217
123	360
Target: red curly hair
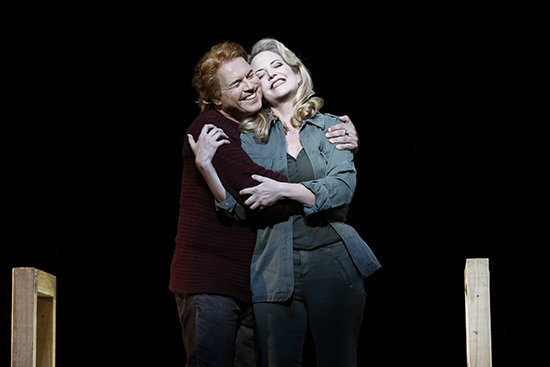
206	80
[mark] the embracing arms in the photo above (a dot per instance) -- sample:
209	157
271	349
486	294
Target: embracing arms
208	142
266	191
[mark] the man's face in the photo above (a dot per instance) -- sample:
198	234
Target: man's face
241	95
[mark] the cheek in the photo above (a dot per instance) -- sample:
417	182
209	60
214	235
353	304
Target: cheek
234	98
264	84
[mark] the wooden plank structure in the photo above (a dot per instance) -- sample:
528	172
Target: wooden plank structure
478	313
33	318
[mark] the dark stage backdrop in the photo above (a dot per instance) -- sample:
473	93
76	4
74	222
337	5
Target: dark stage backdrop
98	98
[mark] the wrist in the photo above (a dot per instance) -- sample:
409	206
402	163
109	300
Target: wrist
284	191
202	164
297	192
289	191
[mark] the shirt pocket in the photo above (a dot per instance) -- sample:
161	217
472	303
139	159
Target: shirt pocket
320	166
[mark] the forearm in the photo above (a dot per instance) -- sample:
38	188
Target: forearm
297	192
212	179
269	192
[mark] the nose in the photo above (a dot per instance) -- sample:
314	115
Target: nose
271	73
248	84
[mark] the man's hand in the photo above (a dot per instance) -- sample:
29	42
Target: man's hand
344	135
263	195
269	191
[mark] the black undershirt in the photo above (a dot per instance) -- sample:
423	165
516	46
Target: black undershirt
313	231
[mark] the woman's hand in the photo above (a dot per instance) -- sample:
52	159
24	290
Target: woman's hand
206	146
344	135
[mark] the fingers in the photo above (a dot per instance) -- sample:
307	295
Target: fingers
340	130
347	146
259	178
340	136
192	142
251	203
215	142
247	191
223	142
206	129
345	119
343	140
214	133
341	126
218	137
345	143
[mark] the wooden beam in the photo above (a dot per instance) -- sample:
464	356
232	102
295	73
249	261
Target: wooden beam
478	313
33	318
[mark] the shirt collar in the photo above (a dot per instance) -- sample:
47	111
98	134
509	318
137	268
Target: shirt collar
316	120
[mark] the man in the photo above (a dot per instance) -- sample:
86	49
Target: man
210	273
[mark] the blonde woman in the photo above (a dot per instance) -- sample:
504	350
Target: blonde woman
309	268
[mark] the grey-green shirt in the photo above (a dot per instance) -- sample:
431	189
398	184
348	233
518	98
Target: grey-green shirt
272	275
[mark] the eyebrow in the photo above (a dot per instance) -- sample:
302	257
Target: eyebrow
271	63
237	81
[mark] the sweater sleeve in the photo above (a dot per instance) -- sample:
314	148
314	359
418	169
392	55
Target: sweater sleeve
235	169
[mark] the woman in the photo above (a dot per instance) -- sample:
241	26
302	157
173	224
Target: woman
310	267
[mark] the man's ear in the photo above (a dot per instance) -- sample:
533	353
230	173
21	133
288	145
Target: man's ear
217	103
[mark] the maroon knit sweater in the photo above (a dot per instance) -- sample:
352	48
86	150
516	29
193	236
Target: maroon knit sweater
213	252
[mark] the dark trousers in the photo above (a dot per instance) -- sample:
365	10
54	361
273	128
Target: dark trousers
328	292
217	331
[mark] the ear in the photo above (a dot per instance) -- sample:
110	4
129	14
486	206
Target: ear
298	77
217	103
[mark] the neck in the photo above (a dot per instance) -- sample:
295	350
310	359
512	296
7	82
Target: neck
229	117
284	111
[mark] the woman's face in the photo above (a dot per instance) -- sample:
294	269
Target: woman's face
279	81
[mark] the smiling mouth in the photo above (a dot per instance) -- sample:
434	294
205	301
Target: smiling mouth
250	97
277	83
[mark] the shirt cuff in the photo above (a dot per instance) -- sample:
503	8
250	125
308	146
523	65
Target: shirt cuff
231	207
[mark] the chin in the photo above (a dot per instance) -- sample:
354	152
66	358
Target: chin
255	107
280	93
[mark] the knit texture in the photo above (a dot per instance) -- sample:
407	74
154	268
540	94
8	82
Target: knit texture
213	252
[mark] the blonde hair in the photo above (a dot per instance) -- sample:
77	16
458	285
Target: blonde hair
206	80
306	104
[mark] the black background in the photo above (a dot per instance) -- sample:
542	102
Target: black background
97	101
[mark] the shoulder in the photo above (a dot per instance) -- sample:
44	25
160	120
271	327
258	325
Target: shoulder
201	120
209	117
324	120
274	128
215	118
